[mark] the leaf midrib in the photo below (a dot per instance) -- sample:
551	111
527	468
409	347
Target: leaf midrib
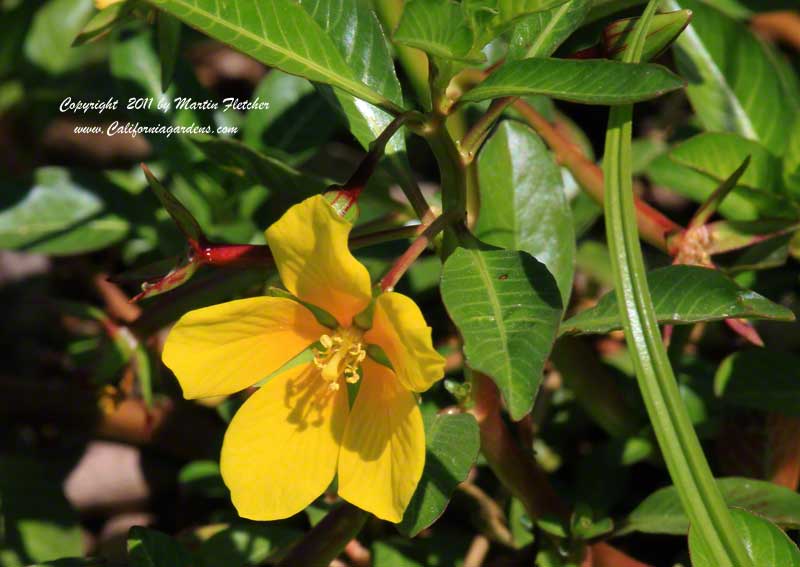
497	311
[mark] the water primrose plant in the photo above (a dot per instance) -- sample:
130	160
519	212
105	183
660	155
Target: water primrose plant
400	283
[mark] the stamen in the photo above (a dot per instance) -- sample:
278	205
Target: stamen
341	356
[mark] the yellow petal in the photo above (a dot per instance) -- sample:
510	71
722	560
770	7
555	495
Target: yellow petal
399	328
281	448
225	348
383	453
309	243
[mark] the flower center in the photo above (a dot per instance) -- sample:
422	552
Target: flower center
340	355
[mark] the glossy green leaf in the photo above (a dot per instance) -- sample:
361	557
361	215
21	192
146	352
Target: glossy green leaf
248	543
741	204
733	78
169	43
39	524
523	204
355	30
438	27
683	294
761	380
662	513
452	444
279	33
664	30
719	154
57	216
540	34
766	544
507	307
151	548
587	82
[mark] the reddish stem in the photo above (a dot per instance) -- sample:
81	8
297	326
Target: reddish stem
235	255
513	467
405	261
654	227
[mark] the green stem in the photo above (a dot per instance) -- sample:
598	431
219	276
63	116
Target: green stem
454	181
699	494
327	539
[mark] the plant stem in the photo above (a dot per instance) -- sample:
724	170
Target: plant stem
471	143
699	494
453	178
654	227
514	468
404	262
358	180
327	539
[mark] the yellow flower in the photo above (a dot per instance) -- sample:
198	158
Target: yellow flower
286	443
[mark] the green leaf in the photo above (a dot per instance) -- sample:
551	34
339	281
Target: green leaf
683	294
718	155
761	380
358	35
743	9
57	216
169	44
662	513
664	30
523	204
741	204
203	477
540	34
731	75
285	184
587	82
438	27
102	23
491	17
791	161
39	524
452	444
279	33
151	548
183	218
73	562
296	123
51	33
766	544
507	307
246	544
